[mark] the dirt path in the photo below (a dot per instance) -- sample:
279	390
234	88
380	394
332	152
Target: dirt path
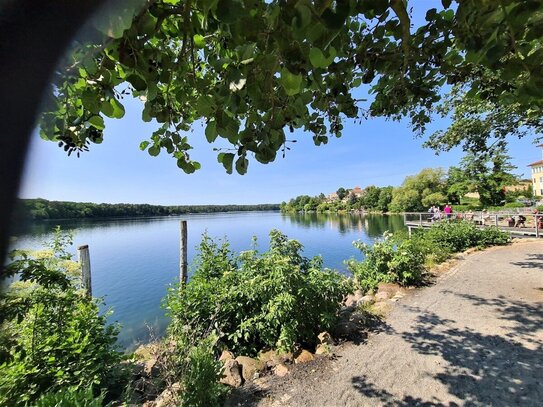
475	338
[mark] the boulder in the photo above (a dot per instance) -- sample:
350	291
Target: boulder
382	296
325	338
250	367
304	356
281	370
270	358
366	299
322	349
169	397
231	373
391	288
226	355
152	367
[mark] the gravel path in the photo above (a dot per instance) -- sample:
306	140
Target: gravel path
475	338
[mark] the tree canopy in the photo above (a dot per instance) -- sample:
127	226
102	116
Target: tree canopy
253	70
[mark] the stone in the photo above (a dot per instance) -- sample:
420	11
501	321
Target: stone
322	349
231	373
367	299
226	355
281	370
168	398
345	329
389	287
304	356
144	352
250	367
326	338
151	367
382	296
350	301
270	358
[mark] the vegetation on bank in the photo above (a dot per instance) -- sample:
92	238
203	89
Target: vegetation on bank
403	260
431	186
39	209
58	347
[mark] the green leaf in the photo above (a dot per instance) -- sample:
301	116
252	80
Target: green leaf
154	150
199	41
241	165
226	159
137	82
144	144
317	58
118	109
291	83
211	131
97	122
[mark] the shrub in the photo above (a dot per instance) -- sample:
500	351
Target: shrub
275	299
514	205
56	337
388	261
458	236
71	398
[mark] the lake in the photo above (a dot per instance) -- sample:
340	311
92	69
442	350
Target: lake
133	261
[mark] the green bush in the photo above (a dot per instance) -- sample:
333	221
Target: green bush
388	261
514	205
56	337
71	398
200	379
458	236
252	301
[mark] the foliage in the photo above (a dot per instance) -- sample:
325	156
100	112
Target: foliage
252	301
387	261
57	339
416	188
435	198
43	209
200	380
487	173
460	235
251	70
71	398
402	260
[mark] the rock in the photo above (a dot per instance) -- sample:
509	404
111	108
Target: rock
350	301
304	356
322	349
231	373
382	296
152	367
286	357
381	308
226	355
366	299
326	338
345	329
169	397
144	352
270	358
358	294
262	383
249	367
281	370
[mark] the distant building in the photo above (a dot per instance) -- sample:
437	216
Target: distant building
537	176
332	197
357	191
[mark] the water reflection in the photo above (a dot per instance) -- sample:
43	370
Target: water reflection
370	225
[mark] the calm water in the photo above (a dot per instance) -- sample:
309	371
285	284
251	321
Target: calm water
134	260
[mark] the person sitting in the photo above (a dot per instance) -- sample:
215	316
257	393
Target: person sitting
521	221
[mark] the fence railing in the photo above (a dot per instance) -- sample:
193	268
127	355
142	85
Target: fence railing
502	220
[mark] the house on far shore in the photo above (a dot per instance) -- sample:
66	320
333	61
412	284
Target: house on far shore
357	191
537	176
332	197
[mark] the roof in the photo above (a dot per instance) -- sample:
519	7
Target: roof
536	163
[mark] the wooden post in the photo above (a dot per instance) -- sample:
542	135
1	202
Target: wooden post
496	220
84	260
536	226
420	218
183	253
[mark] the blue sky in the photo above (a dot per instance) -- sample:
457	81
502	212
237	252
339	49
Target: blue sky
377	152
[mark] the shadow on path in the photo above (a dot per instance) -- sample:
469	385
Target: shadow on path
481	369
534	261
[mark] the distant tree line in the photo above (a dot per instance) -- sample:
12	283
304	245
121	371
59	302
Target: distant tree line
488	176
39	209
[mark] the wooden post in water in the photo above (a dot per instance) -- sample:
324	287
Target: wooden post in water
183	253
84	260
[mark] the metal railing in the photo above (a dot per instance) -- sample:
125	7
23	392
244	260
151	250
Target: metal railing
502	220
